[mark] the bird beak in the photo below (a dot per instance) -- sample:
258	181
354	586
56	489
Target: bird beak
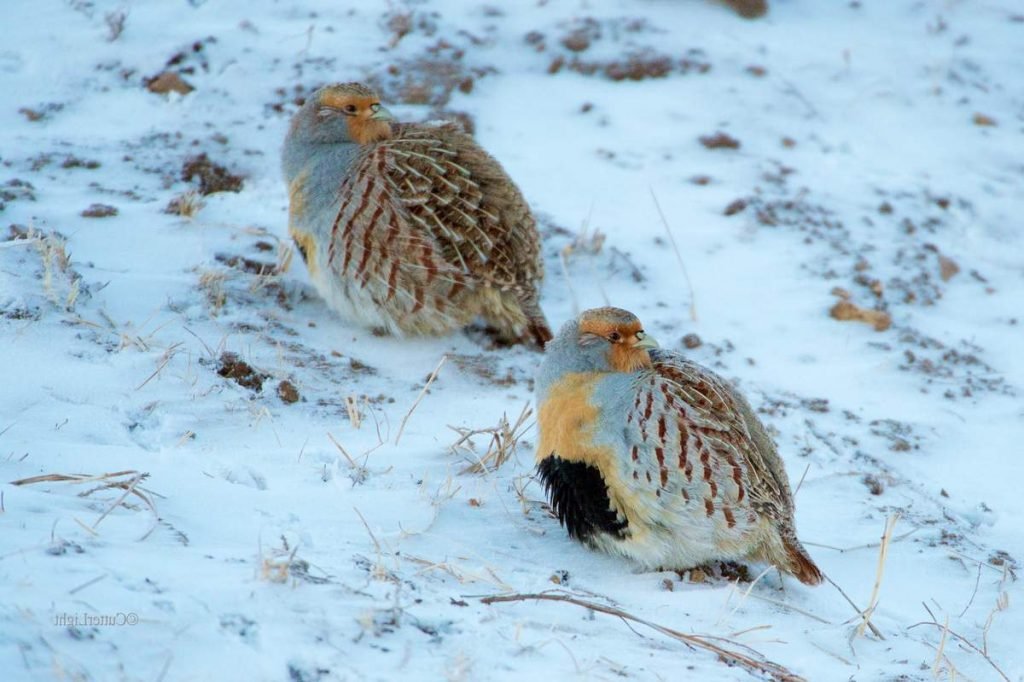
382	114
645	341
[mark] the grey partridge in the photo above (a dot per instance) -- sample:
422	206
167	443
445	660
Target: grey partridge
409	228
648	455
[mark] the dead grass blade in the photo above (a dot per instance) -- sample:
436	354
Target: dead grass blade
728	651
171	351
127	480
960	638
460	574
355	416
426	387
883	553
679	256
875	631
504	439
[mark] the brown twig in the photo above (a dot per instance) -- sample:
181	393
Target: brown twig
742	656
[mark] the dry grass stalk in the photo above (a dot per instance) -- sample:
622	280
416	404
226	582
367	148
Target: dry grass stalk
426	387
185	437
586	242
743	597
285	254
276	566
359	471
742	655
171	351
211	283
960	638
883	553
379	572
459	668
127	480
502	444
568	284
73	291
52	249
187	205
355	417
875	631
460	574
790	607
869	545
679	257
1002	603
939	650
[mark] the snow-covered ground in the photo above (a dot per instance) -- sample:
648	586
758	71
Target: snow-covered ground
880	160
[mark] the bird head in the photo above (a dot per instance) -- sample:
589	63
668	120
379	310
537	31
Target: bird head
343	113
613	339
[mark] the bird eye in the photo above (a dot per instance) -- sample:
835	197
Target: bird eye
350	108
614	337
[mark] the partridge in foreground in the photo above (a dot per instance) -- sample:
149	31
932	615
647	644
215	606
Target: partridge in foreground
410	228
648	455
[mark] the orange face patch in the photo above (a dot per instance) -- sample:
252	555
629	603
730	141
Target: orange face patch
359	111
624	356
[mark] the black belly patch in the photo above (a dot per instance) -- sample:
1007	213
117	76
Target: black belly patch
579	496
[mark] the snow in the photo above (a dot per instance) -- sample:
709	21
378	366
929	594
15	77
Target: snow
271	555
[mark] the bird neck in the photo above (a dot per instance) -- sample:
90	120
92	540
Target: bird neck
332	159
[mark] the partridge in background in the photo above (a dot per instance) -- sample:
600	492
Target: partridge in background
648	455
409	228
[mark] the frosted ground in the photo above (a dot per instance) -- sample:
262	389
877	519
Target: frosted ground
268	523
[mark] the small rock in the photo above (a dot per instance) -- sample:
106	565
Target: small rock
287	392
749	9
169	81
213	177
841	293
720	140
983	120
692	341
874	484
948	268
735	207
241	372
99	211
845	310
